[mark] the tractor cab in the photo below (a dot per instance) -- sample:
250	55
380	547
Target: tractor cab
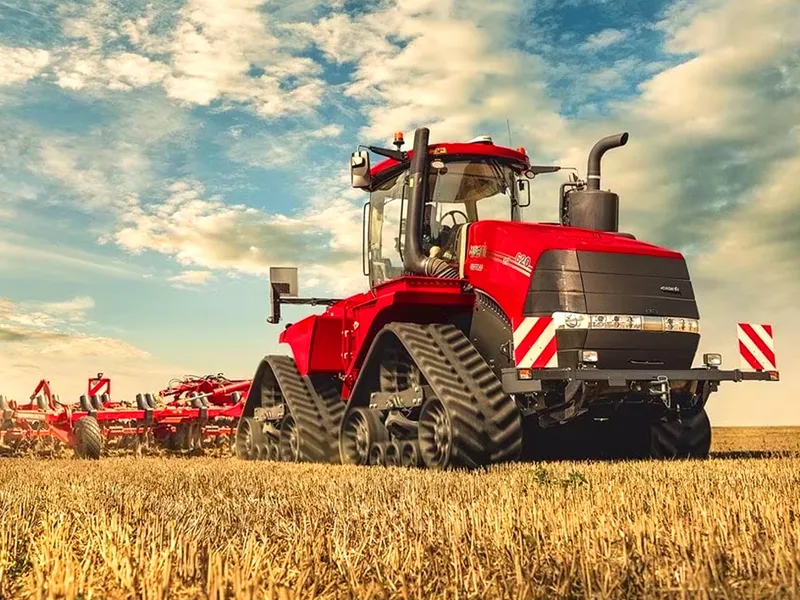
463	183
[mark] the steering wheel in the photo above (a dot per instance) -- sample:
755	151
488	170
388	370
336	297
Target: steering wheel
452	212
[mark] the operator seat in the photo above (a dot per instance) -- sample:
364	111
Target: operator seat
449	244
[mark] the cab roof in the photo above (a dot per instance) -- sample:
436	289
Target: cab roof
457	149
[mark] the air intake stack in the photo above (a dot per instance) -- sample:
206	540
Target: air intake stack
593	208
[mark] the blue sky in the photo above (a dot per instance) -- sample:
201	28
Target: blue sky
157	160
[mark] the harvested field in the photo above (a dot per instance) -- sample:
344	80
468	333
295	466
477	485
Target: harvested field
217	527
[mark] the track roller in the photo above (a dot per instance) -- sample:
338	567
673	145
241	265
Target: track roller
437	437
362	428
393	454
409	454
377	454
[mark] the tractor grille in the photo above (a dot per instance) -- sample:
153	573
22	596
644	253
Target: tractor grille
612	283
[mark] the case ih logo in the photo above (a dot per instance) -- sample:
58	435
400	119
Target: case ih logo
756	347
477	251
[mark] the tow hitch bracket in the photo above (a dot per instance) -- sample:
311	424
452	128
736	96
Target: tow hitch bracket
660	387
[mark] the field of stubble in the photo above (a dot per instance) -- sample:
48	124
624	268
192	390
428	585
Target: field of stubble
217	528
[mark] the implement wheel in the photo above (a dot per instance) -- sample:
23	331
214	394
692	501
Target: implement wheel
88	438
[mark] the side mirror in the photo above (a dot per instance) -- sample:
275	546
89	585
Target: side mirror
359	170
282	282
524	193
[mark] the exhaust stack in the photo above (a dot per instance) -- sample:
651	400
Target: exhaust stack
593	208
414	259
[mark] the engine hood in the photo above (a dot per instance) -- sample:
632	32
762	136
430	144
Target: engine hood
534	270
507	260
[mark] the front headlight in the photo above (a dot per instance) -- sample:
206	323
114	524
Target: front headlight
626	322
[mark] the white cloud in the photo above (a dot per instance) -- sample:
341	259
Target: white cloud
208	233
446	65
604	39
271	151
18	65
192	278
125	71
37	328
103	168
21	255
226	51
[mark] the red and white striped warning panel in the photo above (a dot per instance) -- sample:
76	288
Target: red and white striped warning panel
99	386
535	344
756	347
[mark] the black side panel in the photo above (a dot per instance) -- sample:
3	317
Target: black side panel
556	285
632	264
490	333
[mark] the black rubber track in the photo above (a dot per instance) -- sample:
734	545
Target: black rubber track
485	421
316	419
88	438
689	438
328	399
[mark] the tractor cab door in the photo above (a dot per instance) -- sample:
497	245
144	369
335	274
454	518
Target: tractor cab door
386	232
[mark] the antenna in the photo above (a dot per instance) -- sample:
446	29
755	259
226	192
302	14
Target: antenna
508	125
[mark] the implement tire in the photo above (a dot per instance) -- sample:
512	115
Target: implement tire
88	438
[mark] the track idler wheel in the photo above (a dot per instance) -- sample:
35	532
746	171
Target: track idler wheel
88	438
290	440
362	430
436	435
248	439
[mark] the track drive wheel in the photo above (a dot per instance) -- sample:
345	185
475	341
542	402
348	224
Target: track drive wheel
362	429
88	438
688	438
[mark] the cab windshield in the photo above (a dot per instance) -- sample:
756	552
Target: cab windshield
478	189
465	191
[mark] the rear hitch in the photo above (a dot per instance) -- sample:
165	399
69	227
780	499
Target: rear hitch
660	388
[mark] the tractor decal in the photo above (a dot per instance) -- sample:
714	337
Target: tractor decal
535	343
520	262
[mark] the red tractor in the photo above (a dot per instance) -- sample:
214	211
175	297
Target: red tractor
484	339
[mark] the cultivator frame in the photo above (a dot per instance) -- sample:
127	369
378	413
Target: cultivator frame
27	427
191	414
